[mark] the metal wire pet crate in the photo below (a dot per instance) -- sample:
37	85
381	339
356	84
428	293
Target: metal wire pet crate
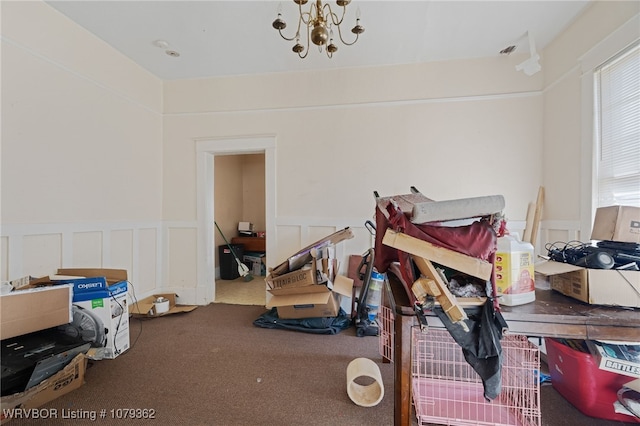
446	390
385	338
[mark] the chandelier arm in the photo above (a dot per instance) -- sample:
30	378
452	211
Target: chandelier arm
334	17
286	38
306	51
343	41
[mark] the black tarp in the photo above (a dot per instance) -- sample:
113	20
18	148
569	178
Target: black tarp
480	345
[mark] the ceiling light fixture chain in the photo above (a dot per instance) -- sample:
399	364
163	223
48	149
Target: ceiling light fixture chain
318	22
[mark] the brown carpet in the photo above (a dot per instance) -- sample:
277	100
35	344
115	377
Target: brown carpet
212	366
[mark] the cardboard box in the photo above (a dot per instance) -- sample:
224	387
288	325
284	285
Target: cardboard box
144	307
29	310
617	223
594	286
108	308
311	301
70	378
618	358
299	278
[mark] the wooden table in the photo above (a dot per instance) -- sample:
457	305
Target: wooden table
551	315
257	244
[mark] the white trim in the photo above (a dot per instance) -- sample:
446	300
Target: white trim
384	103
206	149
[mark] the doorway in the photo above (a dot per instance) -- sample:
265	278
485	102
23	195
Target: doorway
239	197
206	151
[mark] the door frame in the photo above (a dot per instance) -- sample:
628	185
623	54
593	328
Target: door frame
206	150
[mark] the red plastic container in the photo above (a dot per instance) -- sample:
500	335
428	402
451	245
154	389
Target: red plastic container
576	376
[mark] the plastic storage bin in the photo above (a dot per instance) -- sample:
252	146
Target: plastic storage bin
228	264
576	376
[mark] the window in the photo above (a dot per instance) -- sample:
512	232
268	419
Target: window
617	129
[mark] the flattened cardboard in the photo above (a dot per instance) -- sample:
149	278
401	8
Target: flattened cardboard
617	223
70	378
303	256
144	307
594	286
29	310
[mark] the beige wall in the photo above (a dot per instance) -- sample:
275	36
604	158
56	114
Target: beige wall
99	157
81	151
331	157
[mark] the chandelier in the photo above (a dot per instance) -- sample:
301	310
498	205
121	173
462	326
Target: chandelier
318	23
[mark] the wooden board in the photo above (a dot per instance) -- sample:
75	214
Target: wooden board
460	262
445	298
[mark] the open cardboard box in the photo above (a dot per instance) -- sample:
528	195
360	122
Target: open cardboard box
70	378
145	307
34	309
111	276
595	286
311	301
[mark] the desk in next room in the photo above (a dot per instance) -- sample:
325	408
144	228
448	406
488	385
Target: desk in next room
551	315
253	244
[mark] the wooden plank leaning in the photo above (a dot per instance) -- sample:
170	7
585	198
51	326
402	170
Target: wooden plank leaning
460	262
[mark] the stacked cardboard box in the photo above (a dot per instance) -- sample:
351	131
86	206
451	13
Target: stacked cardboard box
307	284
614	287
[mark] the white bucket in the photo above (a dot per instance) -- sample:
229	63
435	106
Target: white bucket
364	395
160	306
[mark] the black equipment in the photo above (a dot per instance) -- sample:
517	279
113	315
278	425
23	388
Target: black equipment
29	359
603	255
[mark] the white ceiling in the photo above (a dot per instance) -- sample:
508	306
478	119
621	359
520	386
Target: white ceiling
219	38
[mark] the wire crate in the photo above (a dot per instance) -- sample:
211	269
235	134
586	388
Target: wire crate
385	337
446	390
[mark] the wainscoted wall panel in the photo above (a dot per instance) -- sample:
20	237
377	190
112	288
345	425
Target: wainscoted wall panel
182	269
153	253
40	254
40	249
148	260
87	249
560	233
121	250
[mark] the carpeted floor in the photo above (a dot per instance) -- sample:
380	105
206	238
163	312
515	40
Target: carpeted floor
212	366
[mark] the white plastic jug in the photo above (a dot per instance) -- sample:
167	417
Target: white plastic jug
515	280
